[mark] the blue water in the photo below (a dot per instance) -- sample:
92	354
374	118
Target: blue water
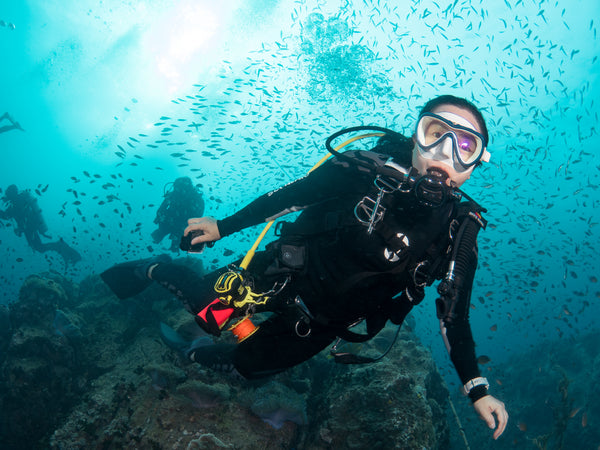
240	96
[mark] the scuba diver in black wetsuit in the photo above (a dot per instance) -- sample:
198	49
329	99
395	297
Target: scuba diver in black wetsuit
372	233
181	202
24	209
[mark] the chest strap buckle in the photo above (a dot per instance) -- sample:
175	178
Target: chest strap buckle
420	274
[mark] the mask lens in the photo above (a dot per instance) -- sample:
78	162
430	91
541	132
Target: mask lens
468	145
431	130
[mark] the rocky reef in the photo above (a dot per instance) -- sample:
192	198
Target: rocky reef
81	369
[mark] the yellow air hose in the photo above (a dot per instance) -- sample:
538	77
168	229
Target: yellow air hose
244	328
246	261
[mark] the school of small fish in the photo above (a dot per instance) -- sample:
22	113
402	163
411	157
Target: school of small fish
261	122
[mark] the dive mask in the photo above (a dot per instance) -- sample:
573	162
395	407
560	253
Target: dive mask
450	139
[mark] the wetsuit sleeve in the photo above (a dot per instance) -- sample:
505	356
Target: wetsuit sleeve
327	181
456	328
460	340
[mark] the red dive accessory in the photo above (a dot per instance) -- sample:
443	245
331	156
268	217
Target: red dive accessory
235	298
214	317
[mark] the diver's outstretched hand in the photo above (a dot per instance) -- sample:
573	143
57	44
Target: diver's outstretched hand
486	407
208	226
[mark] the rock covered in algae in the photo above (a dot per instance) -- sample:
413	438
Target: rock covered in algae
67	325
165	375
276	404
394	403
39	298
43	375
5	331
204	395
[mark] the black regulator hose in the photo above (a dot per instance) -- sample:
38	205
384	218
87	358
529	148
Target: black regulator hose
337	134
461	268
466	249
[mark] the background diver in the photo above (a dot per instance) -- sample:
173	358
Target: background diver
375	228
181	202
23	208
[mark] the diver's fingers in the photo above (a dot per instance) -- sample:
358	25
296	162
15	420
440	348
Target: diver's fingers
502	416
489	406
208	227
197	220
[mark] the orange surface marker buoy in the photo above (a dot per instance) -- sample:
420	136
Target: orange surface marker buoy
243	329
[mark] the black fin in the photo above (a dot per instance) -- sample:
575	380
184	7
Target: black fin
68	253
124	281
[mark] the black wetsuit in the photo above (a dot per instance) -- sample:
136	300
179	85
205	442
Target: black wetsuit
178	206
25	211
340	272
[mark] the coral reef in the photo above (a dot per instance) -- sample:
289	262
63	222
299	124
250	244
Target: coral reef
5	331
388	404
85	370
39	298
43	374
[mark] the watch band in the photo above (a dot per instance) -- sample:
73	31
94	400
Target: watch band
479	381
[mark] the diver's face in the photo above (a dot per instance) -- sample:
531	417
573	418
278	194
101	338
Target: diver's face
424	165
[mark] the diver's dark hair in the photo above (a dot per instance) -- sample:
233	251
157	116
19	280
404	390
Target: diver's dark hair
460	102
397	146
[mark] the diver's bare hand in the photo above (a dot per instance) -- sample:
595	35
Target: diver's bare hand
207	225
486	407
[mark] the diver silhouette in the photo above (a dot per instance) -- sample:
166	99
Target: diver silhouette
25	211
13	126
182	201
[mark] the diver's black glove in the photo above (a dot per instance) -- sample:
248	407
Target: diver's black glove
214	317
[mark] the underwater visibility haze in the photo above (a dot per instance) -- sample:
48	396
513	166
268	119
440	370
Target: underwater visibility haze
115	100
